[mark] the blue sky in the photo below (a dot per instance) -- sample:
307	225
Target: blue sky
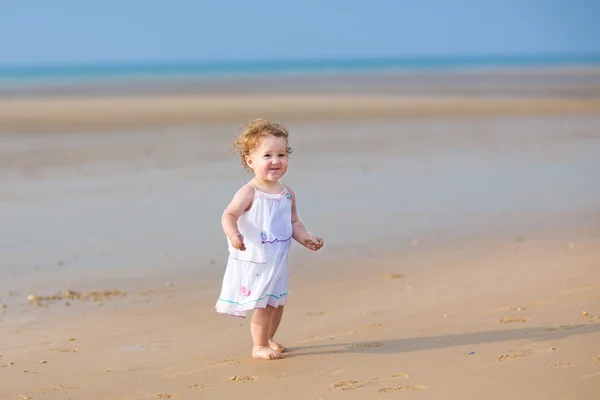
132	31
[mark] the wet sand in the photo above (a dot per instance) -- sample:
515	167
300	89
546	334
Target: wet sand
461	259
76	114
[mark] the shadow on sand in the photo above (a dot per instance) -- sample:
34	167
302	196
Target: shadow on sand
444	341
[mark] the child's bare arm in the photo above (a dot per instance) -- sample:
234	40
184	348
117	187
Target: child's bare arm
241	202
299	231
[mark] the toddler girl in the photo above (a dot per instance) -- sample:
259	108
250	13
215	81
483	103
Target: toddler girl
259	224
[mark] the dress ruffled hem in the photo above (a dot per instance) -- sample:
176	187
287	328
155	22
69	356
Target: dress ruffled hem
239	309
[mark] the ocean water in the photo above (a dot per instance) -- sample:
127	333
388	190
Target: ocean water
15	76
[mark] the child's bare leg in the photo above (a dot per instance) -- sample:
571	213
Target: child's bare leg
259	326
274	325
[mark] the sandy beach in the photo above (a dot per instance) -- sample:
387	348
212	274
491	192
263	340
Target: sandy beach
462	256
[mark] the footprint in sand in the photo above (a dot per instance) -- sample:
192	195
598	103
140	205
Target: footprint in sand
564	327
511	320
368	345
594	358
200	386
66	350
409	388
59	388
520	308
163	396
560	364
348	385
374	326
242	379
400	375
510	356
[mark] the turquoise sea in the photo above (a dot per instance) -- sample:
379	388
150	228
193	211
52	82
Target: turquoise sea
40	74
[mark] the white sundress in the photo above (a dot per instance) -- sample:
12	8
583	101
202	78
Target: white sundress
258	276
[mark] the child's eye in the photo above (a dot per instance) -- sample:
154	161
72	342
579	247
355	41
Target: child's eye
282	155
267	155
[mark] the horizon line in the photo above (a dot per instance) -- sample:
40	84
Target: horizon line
293	61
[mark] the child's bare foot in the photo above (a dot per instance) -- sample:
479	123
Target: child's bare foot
265	353
276	346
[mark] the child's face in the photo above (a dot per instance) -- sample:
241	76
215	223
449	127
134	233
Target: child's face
269	160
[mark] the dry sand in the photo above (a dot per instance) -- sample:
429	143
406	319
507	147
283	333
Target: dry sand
461	261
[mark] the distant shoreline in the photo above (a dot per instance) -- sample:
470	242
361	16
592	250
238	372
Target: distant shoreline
24	77
304	64
565	81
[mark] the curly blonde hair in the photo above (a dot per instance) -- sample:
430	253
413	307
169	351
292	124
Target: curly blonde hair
251	135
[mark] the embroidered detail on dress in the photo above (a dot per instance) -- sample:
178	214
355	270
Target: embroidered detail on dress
245	292
263	236
288	195
265	241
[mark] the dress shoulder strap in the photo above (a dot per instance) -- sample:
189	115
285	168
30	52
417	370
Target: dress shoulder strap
253	187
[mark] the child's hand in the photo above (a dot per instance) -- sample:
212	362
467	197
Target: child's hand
237	241
313	243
